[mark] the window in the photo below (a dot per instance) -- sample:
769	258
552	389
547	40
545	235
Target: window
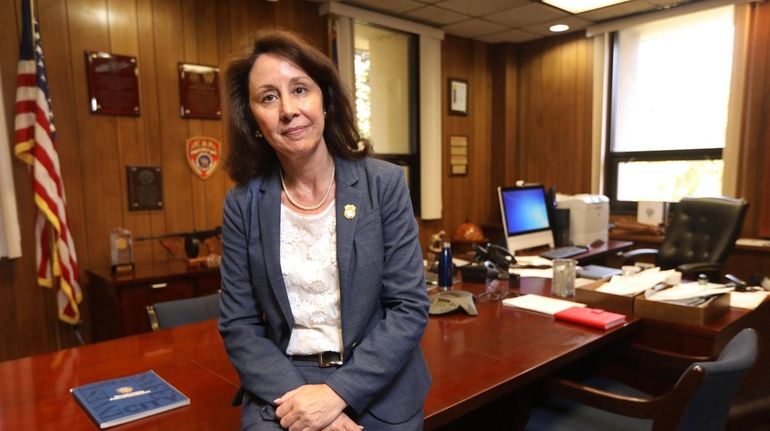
385	69
419	153
670	92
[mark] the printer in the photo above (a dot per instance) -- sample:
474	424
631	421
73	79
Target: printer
589	217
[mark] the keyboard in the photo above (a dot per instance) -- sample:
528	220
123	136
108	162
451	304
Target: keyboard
563	252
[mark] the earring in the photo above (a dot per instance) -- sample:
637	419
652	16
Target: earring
257	134
324	113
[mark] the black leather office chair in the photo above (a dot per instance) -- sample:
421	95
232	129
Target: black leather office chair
700	237
700	400
179	312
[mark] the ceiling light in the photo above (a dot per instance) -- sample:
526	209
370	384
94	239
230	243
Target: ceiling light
580	6
558	28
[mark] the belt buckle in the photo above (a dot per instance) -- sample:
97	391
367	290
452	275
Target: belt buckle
331	361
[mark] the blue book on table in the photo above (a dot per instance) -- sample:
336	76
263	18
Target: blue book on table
124	399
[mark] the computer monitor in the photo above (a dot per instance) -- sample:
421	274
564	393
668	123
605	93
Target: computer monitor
525	217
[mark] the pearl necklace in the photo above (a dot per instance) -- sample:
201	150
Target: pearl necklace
314	207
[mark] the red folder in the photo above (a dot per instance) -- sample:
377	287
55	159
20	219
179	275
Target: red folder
593	317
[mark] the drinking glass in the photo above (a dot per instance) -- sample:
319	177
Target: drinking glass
563	283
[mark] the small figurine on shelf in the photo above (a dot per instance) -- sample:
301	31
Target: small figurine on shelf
436	241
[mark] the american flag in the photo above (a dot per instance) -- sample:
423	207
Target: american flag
36	146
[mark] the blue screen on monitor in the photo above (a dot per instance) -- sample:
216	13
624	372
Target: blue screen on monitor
525	210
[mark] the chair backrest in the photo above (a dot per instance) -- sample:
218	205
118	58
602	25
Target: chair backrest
702	230
169	314
710	405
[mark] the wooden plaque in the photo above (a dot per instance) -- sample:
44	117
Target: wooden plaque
199	91
145	188
458	155
113	86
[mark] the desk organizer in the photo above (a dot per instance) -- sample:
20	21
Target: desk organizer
588	295
705	313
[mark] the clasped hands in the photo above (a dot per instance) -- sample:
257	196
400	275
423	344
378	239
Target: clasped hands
313	407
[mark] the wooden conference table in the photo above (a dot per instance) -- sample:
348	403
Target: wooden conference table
473	361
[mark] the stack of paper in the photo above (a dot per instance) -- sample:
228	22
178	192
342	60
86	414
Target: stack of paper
630	285
748	300
691	293
532	266
541	304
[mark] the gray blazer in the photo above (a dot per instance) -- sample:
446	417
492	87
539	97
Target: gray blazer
384	304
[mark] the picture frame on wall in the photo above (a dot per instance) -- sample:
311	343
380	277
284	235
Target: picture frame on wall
199	91
458	96
113	83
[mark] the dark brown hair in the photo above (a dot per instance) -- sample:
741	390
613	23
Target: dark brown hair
250	156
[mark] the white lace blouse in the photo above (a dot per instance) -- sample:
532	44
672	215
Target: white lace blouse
309	265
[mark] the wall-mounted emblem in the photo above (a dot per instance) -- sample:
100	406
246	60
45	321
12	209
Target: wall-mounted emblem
203	155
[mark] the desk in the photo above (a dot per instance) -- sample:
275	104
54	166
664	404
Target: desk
595	254
35	396
118	301
472	360
744	261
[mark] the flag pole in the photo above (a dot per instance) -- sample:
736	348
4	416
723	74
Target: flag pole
32	11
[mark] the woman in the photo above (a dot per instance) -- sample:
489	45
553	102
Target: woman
323	303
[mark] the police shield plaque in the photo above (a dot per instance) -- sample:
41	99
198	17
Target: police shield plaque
203	155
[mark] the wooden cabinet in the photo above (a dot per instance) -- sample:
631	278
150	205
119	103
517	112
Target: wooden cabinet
118	301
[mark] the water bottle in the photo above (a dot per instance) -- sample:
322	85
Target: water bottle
445	267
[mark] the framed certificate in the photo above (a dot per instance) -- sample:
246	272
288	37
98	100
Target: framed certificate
458	96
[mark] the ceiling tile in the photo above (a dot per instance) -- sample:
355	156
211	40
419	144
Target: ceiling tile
617	11
574	23
662	4
473	28
512	36
495	21
436	15
526	15
397	6
479	8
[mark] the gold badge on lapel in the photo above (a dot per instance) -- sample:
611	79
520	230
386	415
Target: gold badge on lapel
350	211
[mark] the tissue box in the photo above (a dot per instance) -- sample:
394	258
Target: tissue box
588	295
705	313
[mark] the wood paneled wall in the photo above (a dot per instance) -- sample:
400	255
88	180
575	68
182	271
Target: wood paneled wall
466	197
554	113
529	118
94	150
754	162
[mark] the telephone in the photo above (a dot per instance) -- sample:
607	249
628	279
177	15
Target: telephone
490	261
499	256
451	300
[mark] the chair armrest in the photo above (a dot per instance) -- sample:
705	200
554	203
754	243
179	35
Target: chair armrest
665	358
666	410
612	402
629	256
700	267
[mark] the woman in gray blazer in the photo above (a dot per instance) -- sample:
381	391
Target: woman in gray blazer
323	301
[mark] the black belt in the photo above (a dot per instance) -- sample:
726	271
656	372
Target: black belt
324	359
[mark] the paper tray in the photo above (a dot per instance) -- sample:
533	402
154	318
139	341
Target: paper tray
685	315
588	295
